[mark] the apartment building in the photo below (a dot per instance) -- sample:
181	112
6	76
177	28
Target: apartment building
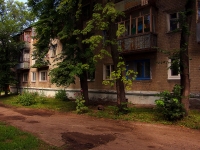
149	24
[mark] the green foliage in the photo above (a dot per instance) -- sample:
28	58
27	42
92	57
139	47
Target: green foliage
26	98
169	104
13	17
61	95
127	79
80	104
120	110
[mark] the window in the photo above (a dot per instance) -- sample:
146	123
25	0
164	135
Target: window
173	21
53	47
107	70
33	58
198	11
91	76
33	77
43	76
139	22
25	77
142	67
173	71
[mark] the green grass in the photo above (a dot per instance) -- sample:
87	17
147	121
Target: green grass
148	115
12	138
42	103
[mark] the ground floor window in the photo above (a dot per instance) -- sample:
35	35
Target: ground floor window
142	67
25	77
43	76
91	76
33	77
173	70
107	70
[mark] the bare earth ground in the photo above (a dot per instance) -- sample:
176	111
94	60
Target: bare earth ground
80	132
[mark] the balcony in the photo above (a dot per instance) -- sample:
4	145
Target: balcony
24	65
128	4
138	43
25	45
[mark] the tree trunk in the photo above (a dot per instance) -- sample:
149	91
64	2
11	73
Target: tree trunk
121	98
184	55
6	89
84	87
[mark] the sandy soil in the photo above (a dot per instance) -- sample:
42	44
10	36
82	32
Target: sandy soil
80	132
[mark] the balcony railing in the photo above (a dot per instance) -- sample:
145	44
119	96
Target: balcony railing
24	65
26	45
138	42
128	4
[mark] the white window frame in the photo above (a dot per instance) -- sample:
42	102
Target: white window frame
25	77
170	76
33	76
105	77
40	76
169	19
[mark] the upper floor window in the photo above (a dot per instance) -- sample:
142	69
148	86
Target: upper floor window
43	76
142	67
173	21
173	70
107	72
198	11
53	47
139	22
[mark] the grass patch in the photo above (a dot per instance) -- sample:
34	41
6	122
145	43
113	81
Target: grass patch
149	115
14	139
42	103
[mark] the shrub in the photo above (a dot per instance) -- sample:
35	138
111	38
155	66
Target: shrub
80	104
169	104
61	95
26	98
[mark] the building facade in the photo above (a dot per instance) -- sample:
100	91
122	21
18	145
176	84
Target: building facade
150	26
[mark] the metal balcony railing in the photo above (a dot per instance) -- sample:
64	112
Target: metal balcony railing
123	5
24	65
26	45
138	42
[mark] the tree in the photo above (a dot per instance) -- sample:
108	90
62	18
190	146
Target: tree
78	42
13	17
185	22
76	58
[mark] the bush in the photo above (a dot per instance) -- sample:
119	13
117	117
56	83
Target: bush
26	98
169	104
80	104
61	95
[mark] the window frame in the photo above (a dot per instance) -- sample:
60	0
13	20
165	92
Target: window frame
111	68
198	11
89	75
25	78
134	63
169	73
141	15
169	19
40	76
33	76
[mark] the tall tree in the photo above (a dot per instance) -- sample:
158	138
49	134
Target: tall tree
185	22
13	18
59	19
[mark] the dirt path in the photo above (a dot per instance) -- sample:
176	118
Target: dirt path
83	132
